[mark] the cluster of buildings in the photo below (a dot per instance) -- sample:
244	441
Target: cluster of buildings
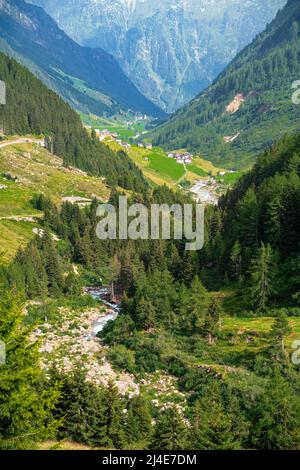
125	145
147	146
182	157
105	134
111	136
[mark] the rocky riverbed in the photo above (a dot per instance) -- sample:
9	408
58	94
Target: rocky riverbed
72	341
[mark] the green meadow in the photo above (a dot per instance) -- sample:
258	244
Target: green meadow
166	166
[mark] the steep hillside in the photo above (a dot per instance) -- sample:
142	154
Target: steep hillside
33	109
250	105
89	79
26	169
264	208
170	49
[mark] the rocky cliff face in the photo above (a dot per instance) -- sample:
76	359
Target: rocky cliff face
170	49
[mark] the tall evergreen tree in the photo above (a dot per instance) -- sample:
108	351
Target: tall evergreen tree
236	261
145	314
52	263
262	274
26	401
170	431
138	425
280	329
276	417
193	308
213	427
212	320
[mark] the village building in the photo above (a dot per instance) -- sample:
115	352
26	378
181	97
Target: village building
126	145
183	158
101	135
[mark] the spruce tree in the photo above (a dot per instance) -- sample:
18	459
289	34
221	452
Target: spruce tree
138	424
236	261
276	417
145	314
262	274
213	427
81	408
26	400
212	320
170	432
52	263
114	417
193	307
280	329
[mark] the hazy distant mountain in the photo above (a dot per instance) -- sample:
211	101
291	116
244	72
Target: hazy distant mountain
91	80
249	106
170	49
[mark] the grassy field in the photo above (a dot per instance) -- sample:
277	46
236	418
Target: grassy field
141	158
197	170
166	166
261	325
36	171
15	234
229	178
61	445
160	169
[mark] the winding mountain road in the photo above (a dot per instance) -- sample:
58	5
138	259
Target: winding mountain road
23	140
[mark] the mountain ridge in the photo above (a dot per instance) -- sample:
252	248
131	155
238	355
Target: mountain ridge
90	80
249	106
171	50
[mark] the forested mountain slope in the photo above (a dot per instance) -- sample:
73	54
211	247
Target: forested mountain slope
91	80
254	236
250	105
31	108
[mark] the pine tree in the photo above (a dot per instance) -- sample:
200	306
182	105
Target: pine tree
26	401
72	284
170	432
52	263
138	423
276	417
262	274
125	278
81	408
280	329
114	417
212	320
248	219
273	222
86	254
145	314
213	427
218	248
193	307
236	261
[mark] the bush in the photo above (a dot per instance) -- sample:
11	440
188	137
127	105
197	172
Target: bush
122	358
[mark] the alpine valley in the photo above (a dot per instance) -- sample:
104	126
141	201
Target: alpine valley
109	343
249	106
170	49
